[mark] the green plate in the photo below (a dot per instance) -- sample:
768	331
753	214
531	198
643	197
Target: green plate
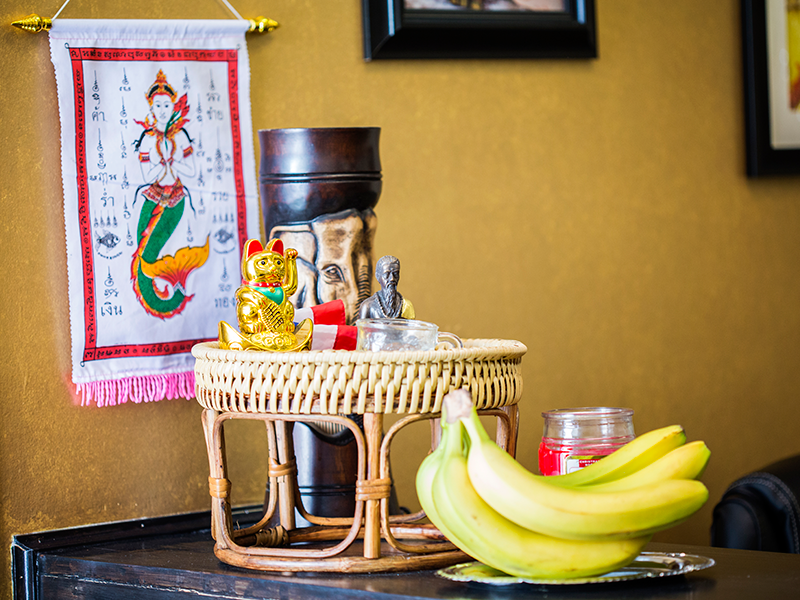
647	565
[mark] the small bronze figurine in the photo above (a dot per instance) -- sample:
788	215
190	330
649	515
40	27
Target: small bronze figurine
269	277
387	303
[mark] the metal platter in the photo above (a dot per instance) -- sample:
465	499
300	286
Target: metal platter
647	565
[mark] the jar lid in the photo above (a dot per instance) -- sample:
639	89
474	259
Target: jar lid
587	412
585	423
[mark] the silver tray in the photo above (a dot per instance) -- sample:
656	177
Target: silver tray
646	565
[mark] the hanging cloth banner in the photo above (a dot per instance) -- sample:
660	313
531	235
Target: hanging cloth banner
159	196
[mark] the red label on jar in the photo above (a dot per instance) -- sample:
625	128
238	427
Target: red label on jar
560	459
576	463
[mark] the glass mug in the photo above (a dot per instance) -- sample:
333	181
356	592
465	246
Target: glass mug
380	335
576	437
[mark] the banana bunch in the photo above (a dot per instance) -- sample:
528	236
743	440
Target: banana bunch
586	523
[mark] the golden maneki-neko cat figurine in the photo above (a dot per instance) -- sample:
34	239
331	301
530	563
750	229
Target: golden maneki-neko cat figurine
269	278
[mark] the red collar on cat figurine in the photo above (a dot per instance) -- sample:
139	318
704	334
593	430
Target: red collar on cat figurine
263	284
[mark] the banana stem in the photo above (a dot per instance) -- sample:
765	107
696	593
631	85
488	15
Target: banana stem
452	441
457	405
472	423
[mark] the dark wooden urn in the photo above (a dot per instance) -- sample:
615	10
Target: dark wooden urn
307	172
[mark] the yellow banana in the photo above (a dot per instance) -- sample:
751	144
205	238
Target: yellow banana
424	481
684	462
481	532
571	513
632	457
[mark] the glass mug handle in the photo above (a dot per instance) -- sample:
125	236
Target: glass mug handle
449	339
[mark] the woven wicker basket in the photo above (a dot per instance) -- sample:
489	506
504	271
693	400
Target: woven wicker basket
342	382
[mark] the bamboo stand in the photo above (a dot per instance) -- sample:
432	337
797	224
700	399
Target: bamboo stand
387	543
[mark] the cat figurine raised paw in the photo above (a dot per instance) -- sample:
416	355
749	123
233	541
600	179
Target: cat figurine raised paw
265	315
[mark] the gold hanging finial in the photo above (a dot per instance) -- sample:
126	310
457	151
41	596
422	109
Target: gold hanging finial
262	25
34	24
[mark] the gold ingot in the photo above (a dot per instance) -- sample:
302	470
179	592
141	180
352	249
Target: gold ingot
34	24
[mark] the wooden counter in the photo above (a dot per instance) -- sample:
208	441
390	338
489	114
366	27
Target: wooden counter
172	558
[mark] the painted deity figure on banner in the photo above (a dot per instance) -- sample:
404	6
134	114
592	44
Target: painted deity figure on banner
165	154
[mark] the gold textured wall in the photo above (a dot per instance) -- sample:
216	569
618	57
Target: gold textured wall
596	210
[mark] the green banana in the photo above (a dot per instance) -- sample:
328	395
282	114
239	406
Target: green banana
632	457
571	513
481	532
684	462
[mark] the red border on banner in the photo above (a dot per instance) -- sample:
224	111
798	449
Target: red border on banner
78	56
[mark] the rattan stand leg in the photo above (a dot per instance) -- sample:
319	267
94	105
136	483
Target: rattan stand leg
218	486
286	483
508	428
270	549
373	430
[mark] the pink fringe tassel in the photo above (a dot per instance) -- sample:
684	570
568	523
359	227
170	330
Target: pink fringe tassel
150	388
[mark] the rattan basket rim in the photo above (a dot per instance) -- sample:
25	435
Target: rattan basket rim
480	349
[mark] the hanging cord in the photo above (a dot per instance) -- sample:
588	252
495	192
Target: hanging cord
63	6
257	25
35	23
230	8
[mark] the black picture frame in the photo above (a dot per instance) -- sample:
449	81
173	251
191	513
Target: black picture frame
393	32
762	158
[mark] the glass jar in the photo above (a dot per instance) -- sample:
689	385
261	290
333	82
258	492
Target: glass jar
576	437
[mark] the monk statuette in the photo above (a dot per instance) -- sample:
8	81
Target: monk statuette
265	315
387	303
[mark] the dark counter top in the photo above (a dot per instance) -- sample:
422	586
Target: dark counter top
172	558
